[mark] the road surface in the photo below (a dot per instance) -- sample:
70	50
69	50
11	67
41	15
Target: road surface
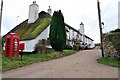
82	64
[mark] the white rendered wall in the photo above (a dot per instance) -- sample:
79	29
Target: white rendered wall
30	44
33	13
48	28
67	33
89	41
75	35
92	44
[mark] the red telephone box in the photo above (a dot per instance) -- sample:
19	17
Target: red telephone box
12	45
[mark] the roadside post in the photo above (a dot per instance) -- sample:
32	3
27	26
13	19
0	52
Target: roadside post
22	47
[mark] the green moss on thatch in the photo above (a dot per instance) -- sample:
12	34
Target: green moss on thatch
32	30
44	23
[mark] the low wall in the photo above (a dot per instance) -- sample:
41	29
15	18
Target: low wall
111	45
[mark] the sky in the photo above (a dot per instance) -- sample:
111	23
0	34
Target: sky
74	11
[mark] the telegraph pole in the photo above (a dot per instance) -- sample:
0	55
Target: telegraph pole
100	26
0	25
1	15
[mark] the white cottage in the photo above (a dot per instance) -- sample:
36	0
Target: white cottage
37	27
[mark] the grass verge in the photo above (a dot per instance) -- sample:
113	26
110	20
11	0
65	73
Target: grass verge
12	63
0	62
109	62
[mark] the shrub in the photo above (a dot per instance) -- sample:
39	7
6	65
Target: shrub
68	47
114	38
40	47
76	47
57	31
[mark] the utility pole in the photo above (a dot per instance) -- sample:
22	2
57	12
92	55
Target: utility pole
1	15
0	25
100	26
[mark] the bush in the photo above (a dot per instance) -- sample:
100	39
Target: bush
68	47
76	47
40	47
116	30
114	38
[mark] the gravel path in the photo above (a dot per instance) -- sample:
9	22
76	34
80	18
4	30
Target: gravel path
82	64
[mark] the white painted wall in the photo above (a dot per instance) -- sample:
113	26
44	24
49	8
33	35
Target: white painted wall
90	42
71	34
67	35
33	12
30	44
75	35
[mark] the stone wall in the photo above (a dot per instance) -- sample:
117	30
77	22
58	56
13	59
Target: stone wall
108	48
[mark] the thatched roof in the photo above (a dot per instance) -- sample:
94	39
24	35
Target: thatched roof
32	30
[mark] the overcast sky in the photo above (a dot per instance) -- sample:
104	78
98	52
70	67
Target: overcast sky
74	11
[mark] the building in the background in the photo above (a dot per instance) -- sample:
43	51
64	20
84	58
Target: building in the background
78	37
33	12
73	35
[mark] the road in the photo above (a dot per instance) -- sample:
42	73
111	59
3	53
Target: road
82	64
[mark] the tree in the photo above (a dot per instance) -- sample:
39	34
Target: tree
57	31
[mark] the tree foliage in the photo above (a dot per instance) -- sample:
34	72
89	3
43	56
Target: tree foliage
116	30
57	31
